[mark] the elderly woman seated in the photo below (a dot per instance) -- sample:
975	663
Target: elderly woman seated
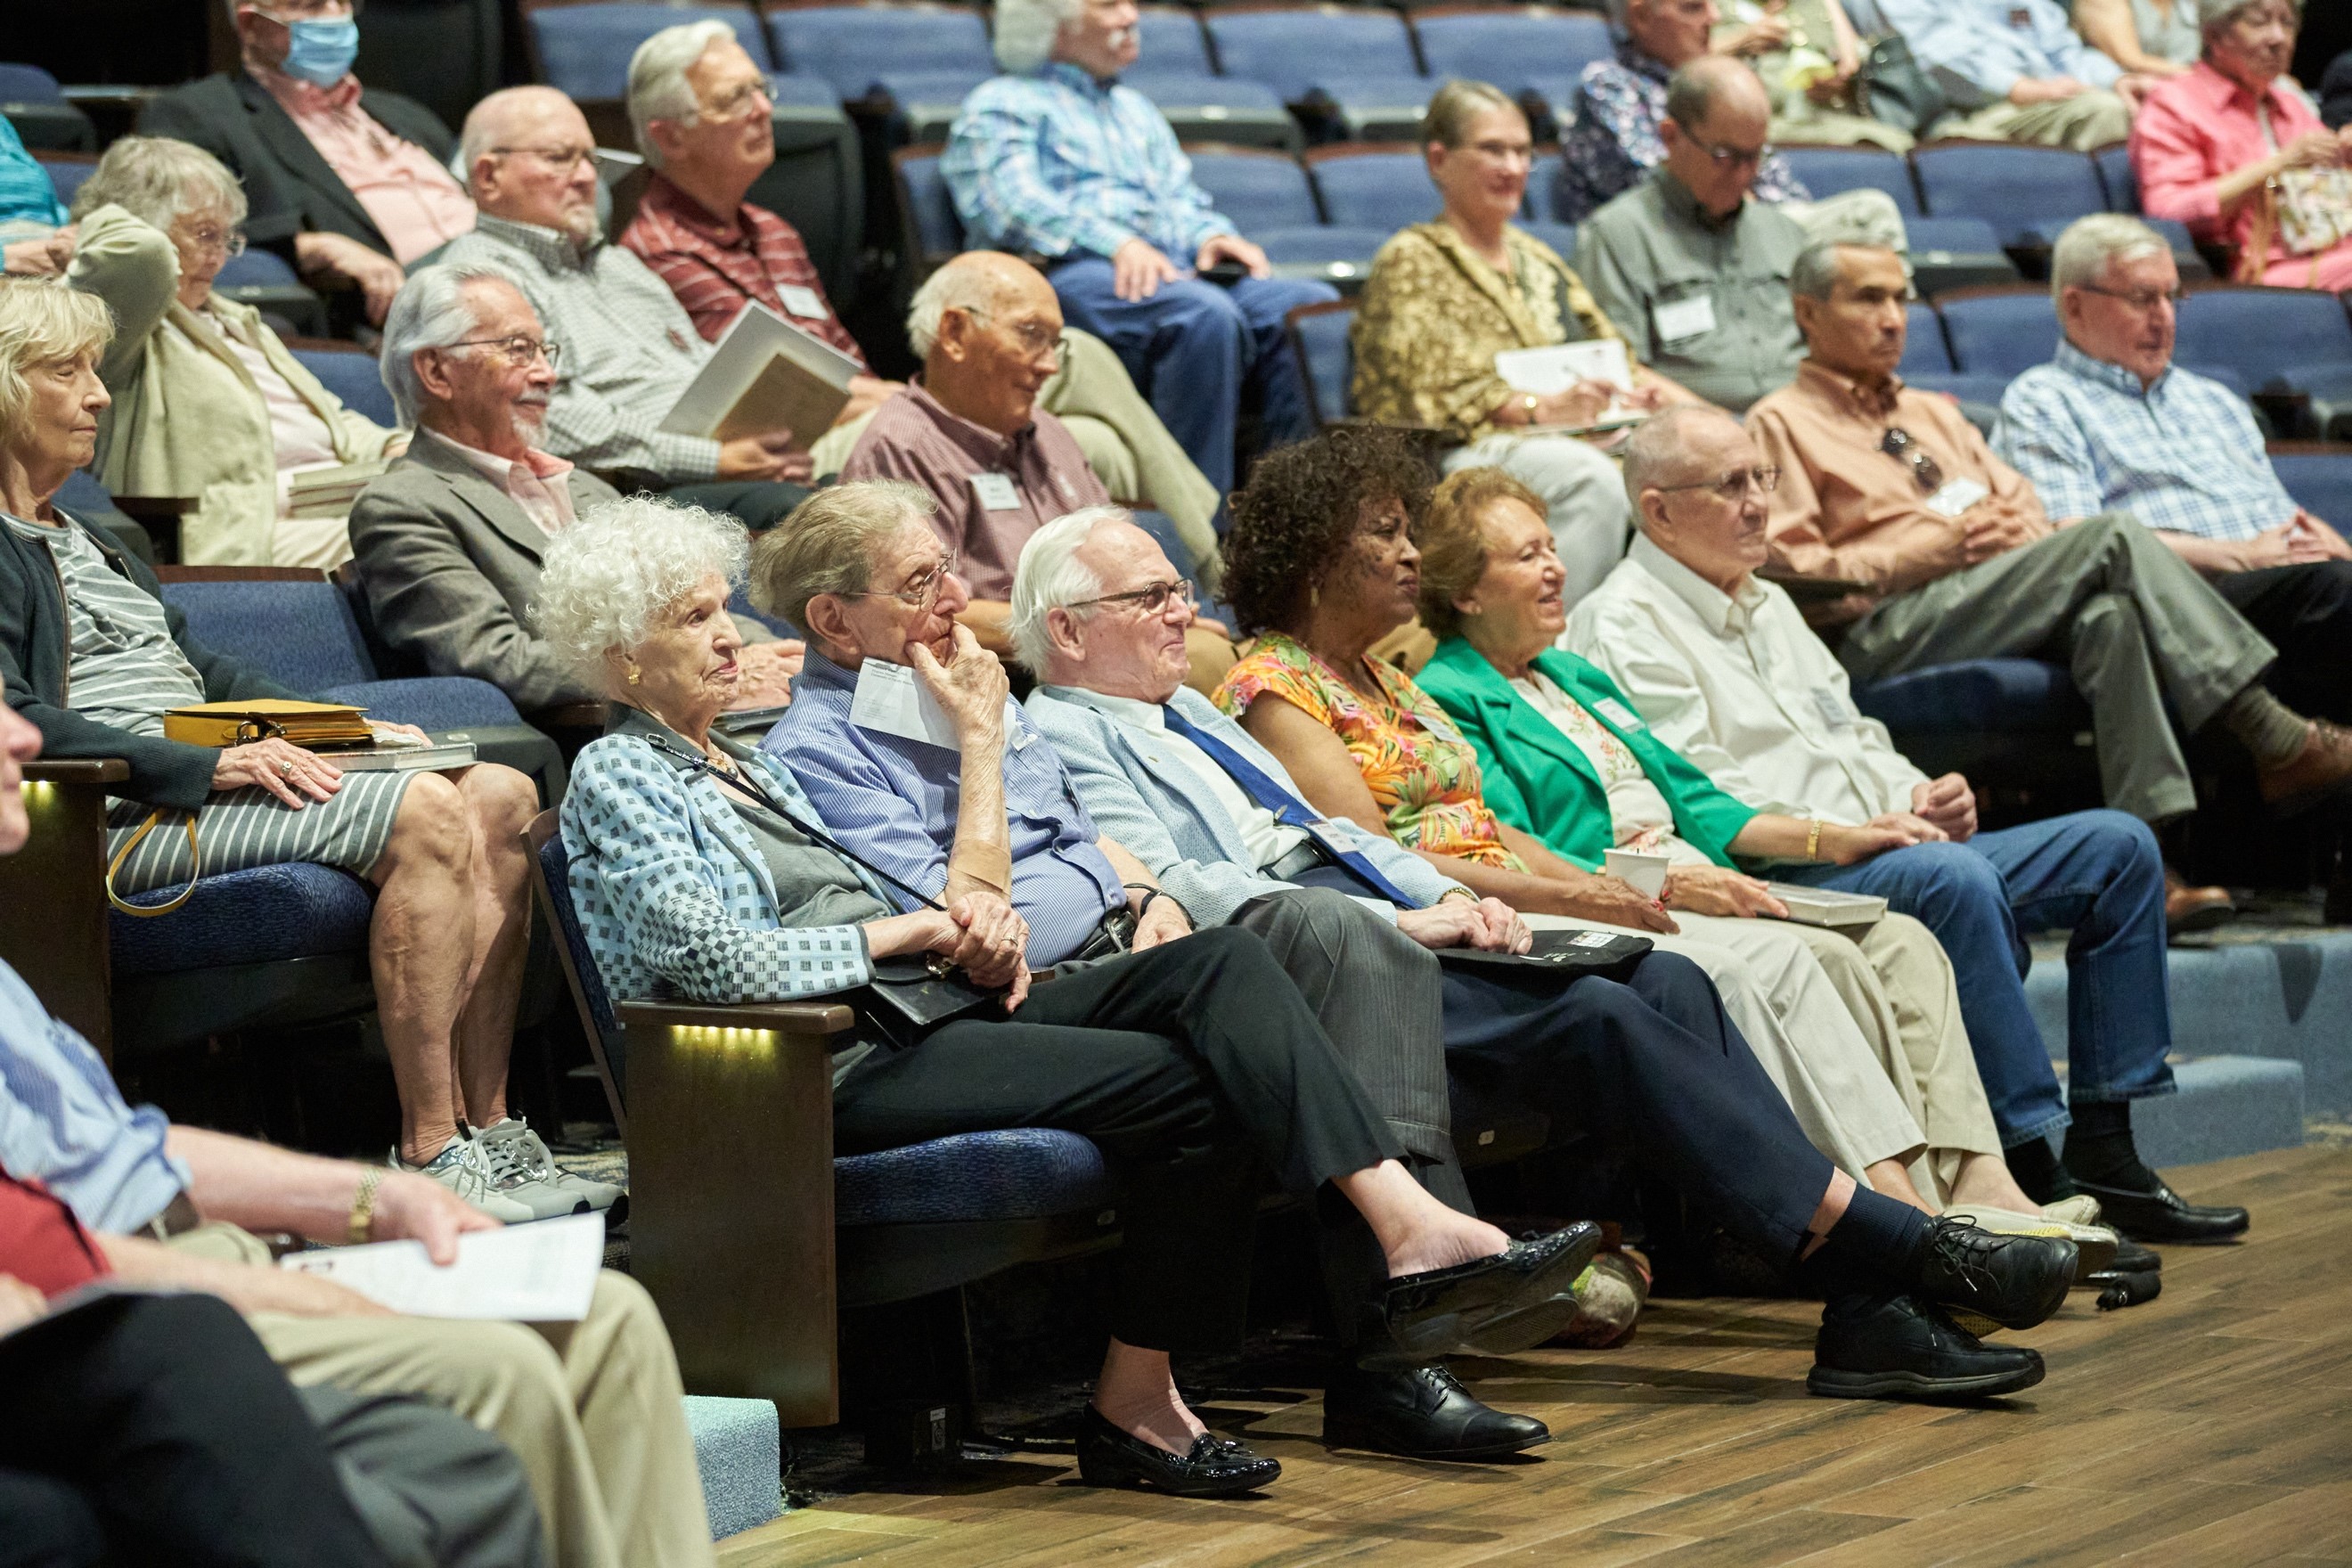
1446	298
91	655
1567	760
2234	150
1322	562
209	404
702	869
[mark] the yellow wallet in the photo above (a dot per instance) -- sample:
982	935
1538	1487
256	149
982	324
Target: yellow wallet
316	725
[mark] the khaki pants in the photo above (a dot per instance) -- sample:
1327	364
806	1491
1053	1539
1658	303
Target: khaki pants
594	1409
2085	123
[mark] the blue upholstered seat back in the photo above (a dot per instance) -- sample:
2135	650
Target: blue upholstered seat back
261	916
301	634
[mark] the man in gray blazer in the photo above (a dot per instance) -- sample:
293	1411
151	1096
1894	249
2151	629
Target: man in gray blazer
448	543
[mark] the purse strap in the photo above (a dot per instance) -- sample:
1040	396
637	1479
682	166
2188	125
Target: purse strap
195	870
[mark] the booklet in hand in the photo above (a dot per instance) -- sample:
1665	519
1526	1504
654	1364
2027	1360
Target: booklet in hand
765	374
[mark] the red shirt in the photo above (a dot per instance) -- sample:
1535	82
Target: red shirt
714	268
41	1243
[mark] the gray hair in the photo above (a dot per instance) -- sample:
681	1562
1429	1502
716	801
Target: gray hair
603	580
431	311
156	180
1659	449
1026	30
2214	15
951	288
657	86
826	545
1051	578
1693	90
2090	243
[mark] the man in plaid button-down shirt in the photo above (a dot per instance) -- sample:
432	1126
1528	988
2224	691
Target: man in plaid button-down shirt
1057	160
629	349
2113	424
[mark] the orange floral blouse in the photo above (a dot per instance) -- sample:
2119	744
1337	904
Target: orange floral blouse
1421	771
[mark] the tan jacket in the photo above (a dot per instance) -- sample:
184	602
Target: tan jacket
188	419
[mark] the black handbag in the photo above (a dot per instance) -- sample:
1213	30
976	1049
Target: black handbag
1607	953
1891	88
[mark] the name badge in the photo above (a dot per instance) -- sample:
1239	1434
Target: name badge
996	492
1957	496
801	302
1685	318
1832	711
1617	713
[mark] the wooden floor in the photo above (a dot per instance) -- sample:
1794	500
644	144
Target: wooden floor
2211	1425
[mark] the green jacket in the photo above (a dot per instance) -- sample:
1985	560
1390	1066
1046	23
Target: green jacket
1540	782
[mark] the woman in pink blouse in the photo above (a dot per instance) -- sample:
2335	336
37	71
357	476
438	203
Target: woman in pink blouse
2208	144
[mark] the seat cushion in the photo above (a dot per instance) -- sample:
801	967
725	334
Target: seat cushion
260	915
1023	1173
429	703
1999	694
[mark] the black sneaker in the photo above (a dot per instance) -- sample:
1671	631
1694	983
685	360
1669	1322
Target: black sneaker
1898	1347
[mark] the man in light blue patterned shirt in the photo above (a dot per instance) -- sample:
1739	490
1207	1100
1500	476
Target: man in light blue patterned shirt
2113	424
1057	160
2018	71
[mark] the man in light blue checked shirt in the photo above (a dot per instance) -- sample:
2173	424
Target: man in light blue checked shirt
2018	71
1057	160
2113	424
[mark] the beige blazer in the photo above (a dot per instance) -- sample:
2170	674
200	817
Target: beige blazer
188	419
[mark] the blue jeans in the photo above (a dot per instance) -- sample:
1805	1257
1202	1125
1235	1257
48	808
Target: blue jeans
2096	872
1195	348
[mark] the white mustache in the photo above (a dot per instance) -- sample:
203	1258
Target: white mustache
1118	40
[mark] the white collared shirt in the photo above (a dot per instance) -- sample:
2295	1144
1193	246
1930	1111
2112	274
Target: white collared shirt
542	487
1742	688
1266	840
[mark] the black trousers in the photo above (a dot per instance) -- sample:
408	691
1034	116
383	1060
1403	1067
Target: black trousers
159	1428
757	504
1650	1067
1190	1066
2305	611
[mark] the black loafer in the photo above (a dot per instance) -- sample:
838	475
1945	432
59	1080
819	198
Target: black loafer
1899	1347
2164	1216
1494	1306
1421	1412
1217	1467
2015	1281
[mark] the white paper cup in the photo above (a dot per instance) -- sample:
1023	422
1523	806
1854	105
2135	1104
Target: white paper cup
1643	872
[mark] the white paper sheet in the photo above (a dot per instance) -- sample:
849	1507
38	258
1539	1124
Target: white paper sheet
893	700
806	396
543	1272
1556	369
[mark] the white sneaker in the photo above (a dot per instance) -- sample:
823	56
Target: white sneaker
512	1143
459	1168
2080	1209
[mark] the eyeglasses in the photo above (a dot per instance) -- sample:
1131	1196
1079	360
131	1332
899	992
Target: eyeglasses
2140	299
562	160
922	593
1729	157
1900	444
1733	486
738	102
229	242
516	349
1151	601
1036	338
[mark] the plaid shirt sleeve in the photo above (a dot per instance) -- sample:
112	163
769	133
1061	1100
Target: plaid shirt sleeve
706	295
997	169
2041	435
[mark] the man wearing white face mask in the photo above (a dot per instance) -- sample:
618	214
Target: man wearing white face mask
348	184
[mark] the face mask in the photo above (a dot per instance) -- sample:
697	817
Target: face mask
321	52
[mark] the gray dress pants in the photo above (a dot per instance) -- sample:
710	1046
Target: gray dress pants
2133	621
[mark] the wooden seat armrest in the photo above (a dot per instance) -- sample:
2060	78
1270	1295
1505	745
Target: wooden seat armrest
586	715
784	1017
78	771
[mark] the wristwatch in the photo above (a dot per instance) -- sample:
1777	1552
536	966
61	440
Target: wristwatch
1531	403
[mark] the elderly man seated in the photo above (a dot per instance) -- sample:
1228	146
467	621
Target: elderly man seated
530	162
346	183
1056	159
2112	425
593	1408
700	107
2018	71
1689	265
1723	670
1952	557
448	542
971	432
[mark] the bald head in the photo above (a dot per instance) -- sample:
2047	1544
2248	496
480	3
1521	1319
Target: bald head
528	159
988	327
1665	448
1717	120
1693	474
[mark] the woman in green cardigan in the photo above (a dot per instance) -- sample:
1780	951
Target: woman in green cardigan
1565	757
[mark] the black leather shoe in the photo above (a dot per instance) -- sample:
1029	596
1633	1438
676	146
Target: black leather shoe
2164	1216
2131	1257
2015	1281
1423	1412
1217	1467
1500	1305
1899	1347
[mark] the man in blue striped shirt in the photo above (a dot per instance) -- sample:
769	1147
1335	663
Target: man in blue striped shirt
2113	424
1057	161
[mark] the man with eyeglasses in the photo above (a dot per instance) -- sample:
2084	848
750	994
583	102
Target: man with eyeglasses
344	183
1723	671
1953	558
2112	425
630	348
1694	272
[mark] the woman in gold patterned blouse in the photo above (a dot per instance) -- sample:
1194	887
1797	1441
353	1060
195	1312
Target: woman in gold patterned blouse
1445	298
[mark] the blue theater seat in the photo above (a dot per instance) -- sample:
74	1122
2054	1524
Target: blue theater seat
1385	188
1335	253
1351	65
925	210
2000	332
924	103
1222	108
2000	720
1169	42
2118	177
351	373
1950	253
1924	349
1509	46
1543	187
2027	194
1257	191
1327	360
2286	344
583	50
35	104
1560	236
1827	171
854	46
2320	480
263	279
66	171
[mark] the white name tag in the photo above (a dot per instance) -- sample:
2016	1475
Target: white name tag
1685	318
806	303
996	492
891	700
1832	711
1617	713
1957	498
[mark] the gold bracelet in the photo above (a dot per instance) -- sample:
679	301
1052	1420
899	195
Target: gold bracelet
1814	841
363	1222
